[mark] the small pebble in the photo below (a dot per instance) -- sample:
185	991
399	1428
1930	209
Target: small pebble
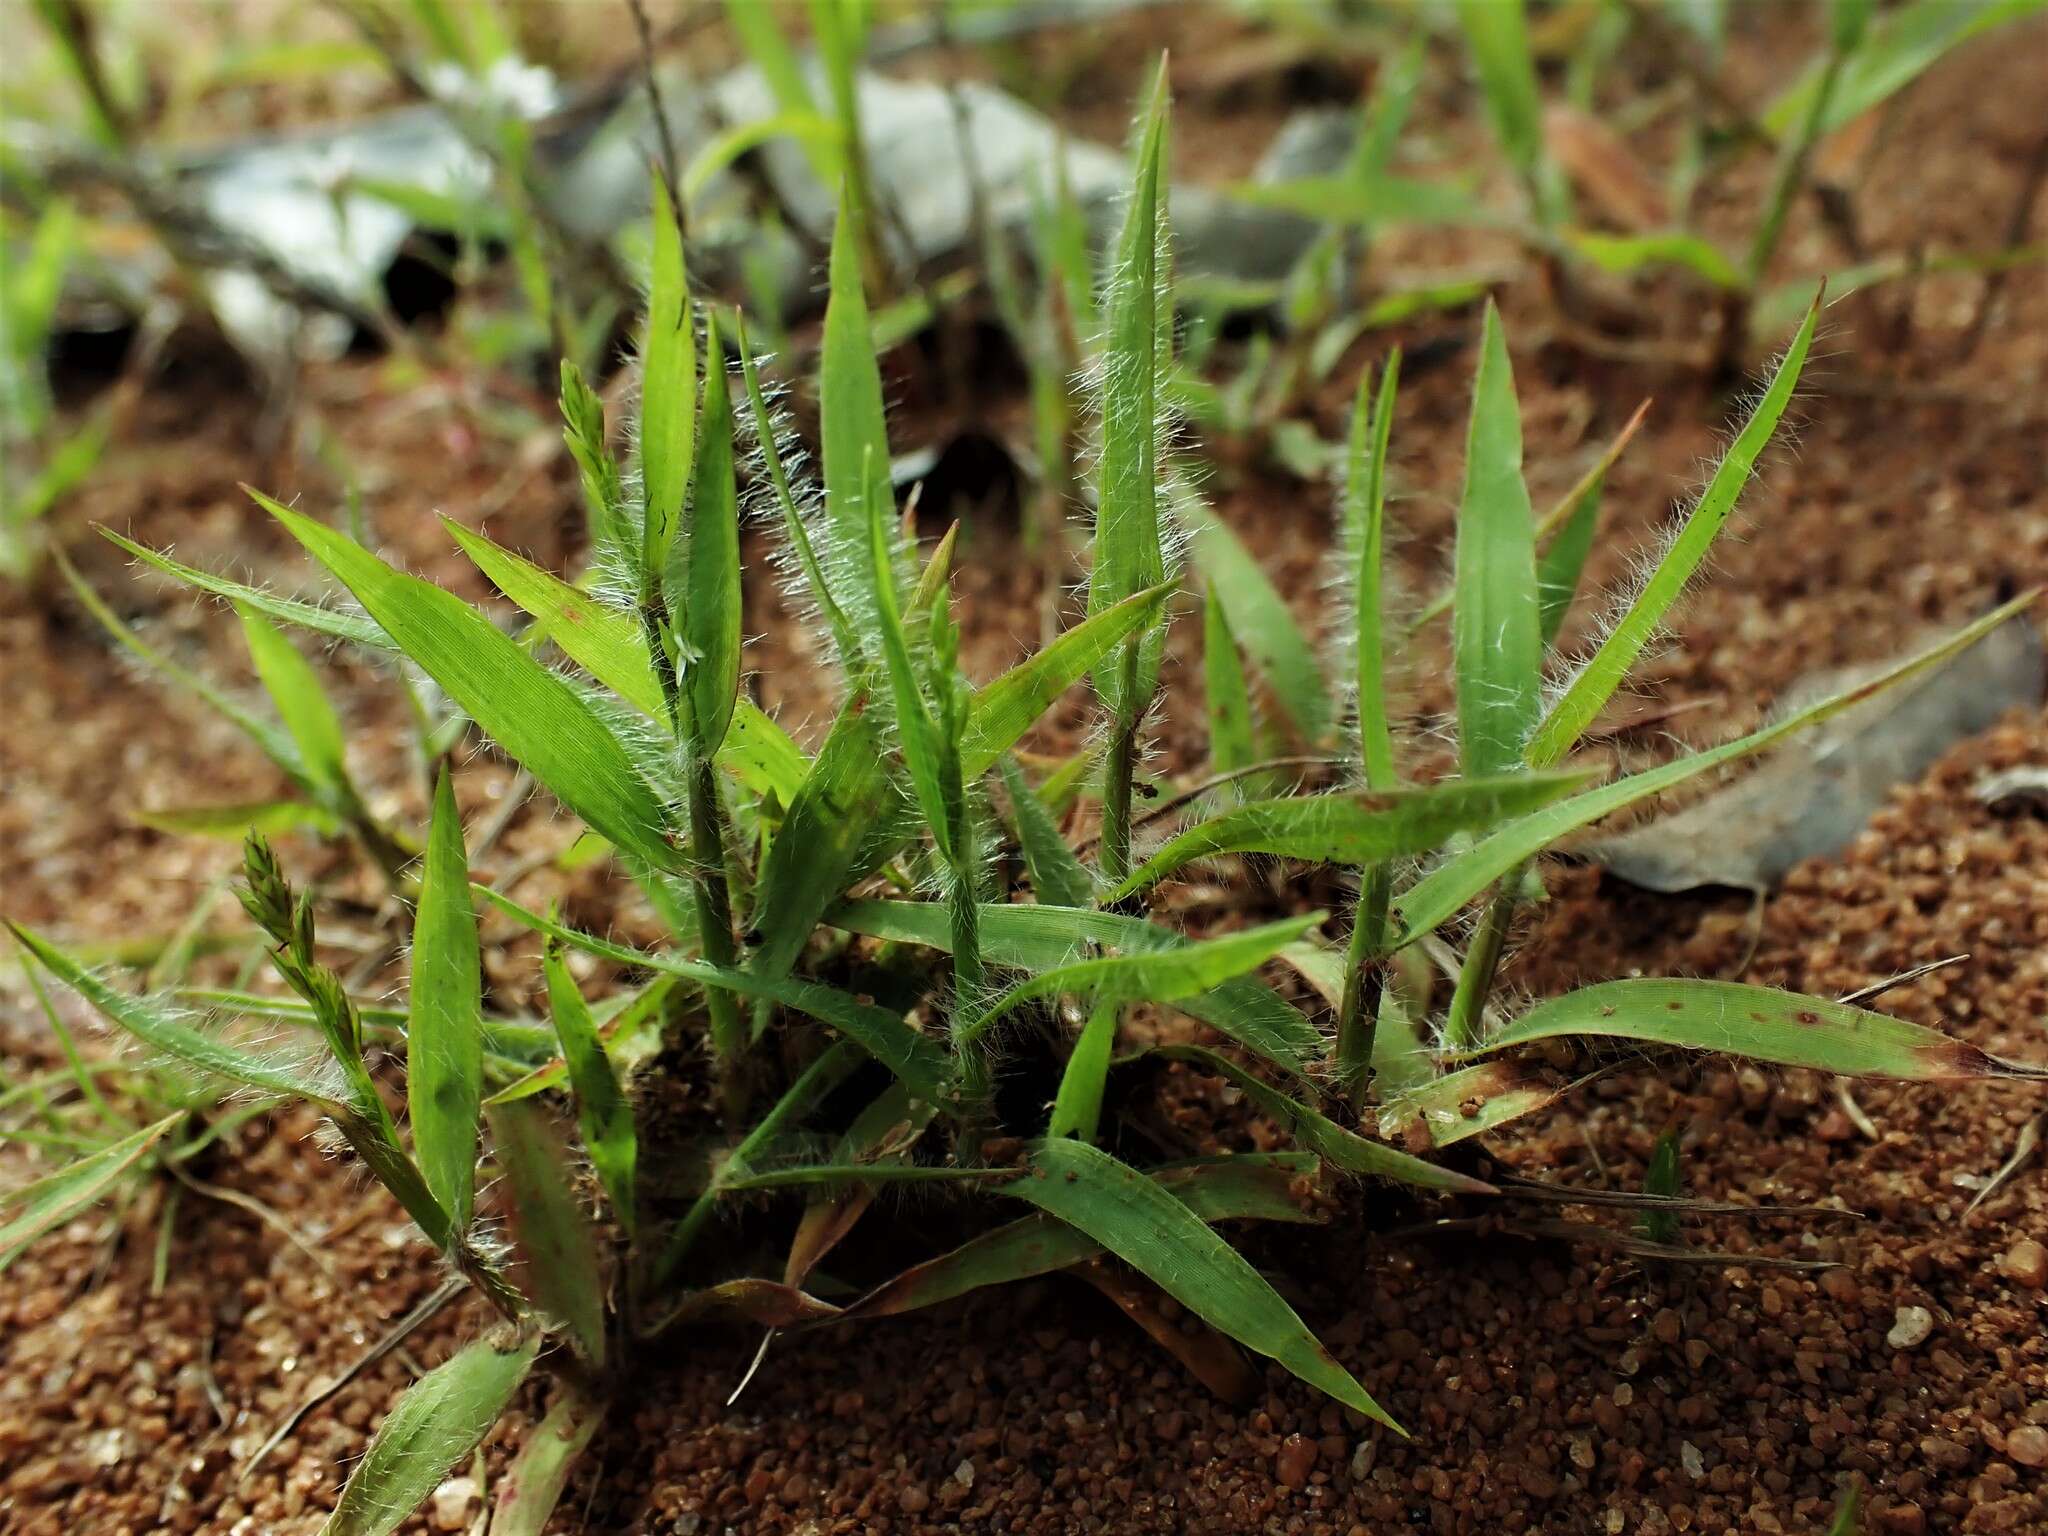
1296	1460
2026	1262
1910	1328
450	1503
2028	1445
914	1500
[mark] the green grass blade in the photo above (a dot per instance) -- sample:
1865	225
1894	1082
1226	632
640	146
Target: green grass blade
532	1486
1497	33
1365	515
324	621
1560	566
1790	1029
583	432
853	435
163	1030
668	377
235	822
555	1234
1008	707
602	1113
51	1201
833	823
759	28
441	1419
885	1036
1130	556
1595	682
1077	1110
1162	1239
1495	614
1435	898
1627	254
444	1039
1262	621
1256	1186
1058	878
1149	975
1901	46
535	716
1230	702
1353	827
1319	1134
917	732
709	552
1039	938
294	688
275	744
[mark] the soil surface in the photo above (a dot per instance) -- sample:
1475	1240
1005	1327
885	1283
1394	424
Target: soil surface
1547	1386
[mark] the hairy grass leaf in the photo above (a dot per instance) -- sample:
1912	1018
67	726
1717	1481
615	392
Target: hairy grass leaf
854	437
555	1233
1473	1101
441	1419
532	1486
1148	975
1318	1133
1365	518
1353	827
294	688
1058	878
709	553
1231	746
1162	1239
444	1030
1763	1023
884	1035
352	627
1008	707
1039	938
535	716
668	377
602	1113
163	1030
1262	621
1595	682
1435	898
1495	616
49	1202
1256	1186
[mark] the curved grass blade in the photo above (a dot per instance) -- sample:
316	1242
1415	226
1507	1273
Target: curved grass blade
1262	621
668	377
556	1234
162	1030
1077	1110
301	703
1162	1239
1472	1101
1435	898
532	1485
441	1418
1764	1024
535	716
1008	707
1058	878
1560	566
853	434
50	1202
884	1035
602	1113
1595	682
1255	1186
444	1030
1149	975
917	732
709	553
1497	32
1319	1134
1495	612
583	433
1353	827
236	822
1624	254
352	627
1039	937
829	837
1230	703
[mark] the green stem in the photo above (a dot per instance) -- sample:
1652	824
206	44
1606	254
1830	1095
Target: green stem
1358	1011
1465	1028
1791	171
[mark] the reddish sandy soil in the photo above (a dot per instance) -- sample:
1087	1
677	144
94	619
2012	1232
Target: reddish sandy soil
1548	1387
